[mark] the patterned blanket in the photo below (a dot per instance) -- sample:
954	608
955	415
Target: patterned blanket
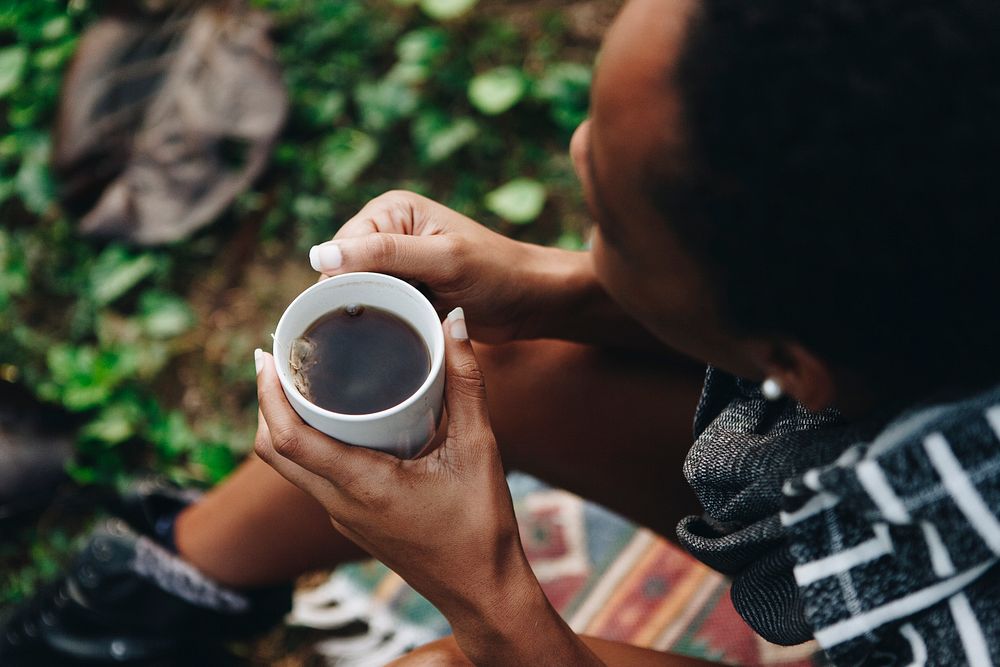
607	577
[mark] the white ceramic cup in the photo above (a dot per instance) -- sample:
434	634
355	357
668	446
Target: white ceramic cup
402	430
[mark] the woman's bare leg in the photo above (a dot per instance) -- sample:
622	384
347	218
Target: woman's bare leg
611	427
257	529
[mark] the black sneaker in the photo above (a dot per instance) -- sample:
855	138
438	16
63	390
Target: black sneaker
151	505
35	444
127	599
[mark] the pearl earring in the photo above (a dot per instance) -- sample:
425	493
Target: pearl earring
771	389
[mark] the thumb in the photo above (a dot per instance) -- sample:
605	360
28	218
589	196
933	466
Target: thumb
465	389
423	258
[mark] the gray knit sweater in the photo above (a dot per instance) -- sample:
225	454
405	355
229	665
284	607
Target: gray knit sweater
880	539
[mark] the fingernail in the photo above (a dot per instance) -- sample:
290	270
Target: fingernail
326	257
456	324
258	359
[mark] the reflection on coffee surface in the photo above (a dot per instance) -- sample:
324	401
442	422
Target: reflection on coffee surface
359	359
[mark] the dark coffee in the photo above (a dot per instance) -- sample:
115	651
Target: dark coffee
359	359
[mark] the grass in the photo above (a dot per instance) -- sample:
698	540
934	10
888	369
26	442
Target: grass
150	349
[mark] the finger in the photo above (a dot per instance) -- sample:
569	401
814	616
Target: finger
263	447
391	213
465	389
346	467
427	259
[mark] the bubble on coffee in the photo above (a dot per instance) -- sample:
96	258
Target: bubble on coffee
359	359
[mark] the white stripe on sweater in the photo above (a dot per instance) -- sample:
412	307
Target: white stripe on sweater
869	550
811	480
873	479
940	558
818	503
917	646
976	650
993	417
840	632
962	491
899	432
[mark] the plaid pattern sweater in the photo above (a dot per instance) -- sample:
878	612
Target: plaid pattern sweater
880	539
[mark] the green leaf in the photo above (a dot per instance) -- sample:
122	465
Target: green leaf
65	360
7	189
563	82
520	201
82	475
115	272
79	397
110	430
497	90
55	28
53	57
346	154
10	146
164	315
151	358
84	378
171	434
33	182
34	185
308	207
565	87
323	107
217	460
444	10
115	424
411	74
12	62
383	103
437	137
13	269
422	45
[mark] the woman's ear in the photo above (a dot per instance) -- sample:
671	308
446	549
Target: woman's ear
800	374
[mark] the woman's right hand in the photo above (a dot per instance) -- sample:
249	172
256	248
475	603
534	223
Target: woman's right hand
509	289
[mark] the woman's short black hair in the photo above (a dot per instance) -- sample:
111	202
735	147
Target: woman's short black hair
842	178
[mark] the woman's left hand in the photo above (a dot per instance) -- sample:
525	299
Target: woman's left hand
444	522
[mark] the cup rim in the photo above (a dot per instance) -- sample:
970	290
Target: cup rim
436	345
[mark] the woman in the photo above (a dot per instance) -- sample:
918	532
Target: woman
801	195
818	226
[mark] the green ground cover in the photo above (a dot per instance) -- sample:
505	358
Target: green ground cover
471	103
